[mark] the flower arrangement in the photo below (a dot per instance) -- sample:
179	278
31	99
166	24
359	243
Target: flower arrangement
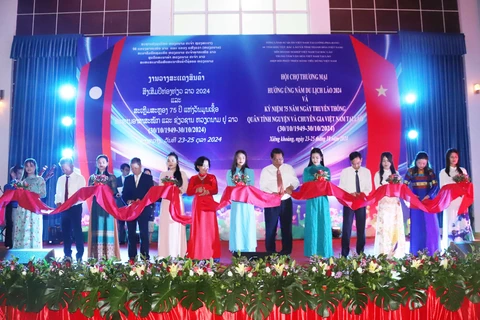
240	179
21	185
461	178
170	181
100	179
252	285
394	179
321	175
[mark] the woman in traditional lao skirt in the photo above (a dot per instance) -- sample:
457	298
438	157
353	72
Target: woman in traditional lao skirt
424	231
204	237
27	225
102	234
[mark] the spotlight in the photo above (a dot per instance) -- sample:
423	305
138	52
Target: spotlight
67	121
411	98
476	88
67	153
67	92
412	134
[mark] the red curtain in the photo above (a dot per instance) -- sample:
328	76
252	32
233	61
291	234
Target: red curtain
433	310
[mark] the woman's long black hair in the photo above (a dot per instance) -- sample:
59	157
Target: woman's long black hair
234	164
177	174
447	161
32	161
97	171
316	150
421	155
389	157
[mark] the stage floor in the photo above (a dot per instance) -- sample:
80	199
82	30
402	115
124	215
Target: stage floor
226	258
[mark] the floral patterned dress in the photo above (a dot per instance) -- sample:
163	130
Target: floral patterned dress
27	225
390	233
456	227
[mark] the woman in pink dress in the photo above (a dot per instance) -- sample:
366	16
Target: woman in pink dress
172	240
204	237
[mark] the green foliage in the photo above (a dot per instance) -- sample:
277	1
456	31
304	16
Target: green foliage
116	290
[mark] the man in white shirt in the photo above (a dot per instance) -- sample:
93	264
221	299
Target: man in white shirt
355	180
122	232
279	178
68	184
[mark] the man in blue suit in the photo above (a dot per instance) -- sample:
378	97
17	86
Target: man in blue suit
135	188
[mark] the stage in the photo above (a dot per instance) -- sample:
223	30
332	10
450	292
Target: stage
226	257
365	287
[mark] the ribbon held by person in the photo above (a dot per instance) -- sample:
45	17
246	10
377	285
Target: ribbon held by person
447	194
249	194
104	196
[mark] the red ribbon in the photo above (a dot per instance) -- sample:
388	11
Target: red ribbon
447	194
249	194
317	188
30	201
450	192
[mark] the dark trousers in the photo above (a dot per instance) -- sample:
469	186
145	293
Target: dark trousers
142	221
121	225
72	224
122	231
9	226
360	219
285	213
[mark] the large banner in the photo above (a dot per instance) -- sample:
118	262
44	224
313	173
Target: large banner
212	95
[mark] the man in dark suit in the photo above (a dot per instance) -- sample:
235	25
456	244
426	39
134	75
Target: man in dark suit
122	234
135	188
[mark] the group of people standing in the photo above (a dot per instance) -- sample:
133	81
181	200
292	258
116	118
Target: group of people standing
105	233
424	226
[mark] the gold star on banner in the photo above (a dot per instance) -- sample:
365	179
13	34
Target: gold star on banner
381	91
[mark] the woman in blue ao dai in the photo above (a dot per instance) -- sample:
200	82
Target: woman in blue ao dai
243	236
318	225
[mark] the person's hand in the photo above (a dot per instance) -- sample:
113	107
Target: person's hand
204	193
129	201
137	199
58	204
426	197
289	190
200	190
354	194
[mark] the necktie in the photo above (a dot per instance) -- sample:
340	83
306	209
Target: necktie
136	180
279	181
66	188
357	182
